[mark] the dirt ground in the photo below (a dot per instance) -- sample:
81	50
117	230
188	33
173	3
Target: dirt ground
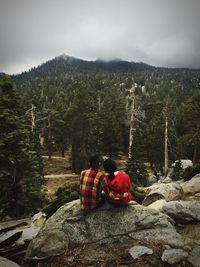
109	255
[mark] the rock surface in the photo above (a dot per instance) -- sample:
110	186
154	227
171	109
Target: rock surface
194	257
53	244
138	251
192	186
7	263
182	211
184	162
104	225
172	256
38	219
158	205
27	234
169	192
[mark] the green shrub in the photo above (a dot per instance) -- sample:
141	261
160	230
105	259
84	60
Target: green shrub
177	171
137	172
137	194
191	171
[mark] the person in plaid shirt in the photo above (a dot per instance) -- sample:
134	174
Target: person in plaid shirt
91	185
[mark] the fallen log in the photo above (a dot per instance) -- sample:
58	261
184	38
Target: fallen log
7	240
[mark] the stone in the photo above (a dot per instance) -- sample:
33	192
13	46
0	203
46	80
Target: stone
162	235
166	180
169	192
138	251
172	256
194	257
107	224
192	186
7	263
184	162
187	248
39	219
182	211
167	247
27	234
44	246
10	237
157	205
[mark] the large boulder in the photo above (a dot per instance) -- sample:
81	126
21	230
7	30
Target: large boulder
184	162
182	211
192	186
7	263
104	225
169	192
158	205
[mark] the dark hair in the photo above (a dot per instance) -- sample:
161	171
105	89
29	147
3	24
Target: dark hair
110	167
94	161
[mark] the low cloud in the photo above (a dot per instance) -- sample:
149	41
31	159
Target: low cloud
158	32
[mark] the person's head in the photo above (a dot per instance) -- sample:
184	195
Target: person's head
94	161
110	167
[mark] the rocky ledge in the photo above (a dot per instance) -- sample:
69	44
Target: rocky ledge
107	224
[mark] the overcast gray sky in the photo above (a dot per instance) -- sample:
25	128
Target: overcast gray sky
158	32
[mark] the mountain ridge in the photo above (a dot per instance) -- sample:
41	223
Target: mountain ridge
65	64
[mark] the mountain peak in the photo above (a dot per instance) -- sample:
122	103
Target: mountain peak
65	57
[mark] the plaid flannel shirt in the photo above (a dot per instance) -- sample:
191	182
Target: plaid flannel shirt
91	185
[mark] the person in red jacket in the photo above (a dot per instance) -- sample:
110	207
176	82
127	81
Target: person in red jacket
117	184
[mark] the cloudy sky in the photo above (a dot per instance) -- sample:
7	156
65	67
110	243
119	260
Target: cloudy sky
158	32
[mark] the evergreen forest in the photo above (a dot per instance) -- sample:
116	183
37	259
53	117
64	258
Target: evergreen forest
93	110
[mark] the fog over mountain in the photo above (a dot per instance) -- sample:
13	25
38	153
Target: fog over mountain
157	32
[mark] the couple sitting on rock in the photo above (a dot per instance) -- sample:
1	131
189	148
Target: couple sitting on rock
95	186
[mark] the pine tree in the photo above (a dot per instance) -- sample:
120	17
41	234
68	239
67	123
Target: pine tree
20	162
177	171
135	166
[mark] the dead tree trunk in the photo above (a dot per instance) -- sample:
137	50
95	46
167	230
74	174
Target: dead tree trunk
166	146
132	124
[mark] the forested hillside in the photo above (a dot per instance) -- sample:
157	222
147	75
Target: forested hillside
69	65
88	107
91	111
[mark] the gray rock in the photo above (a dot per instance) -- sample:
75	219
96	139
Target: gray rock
158	205
172	256
184	162
39	219
28	234
44	246
194	257
10	237
192	186
166	180
163	235
138	251
103	225
182	211
169	192
187	248
7	263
